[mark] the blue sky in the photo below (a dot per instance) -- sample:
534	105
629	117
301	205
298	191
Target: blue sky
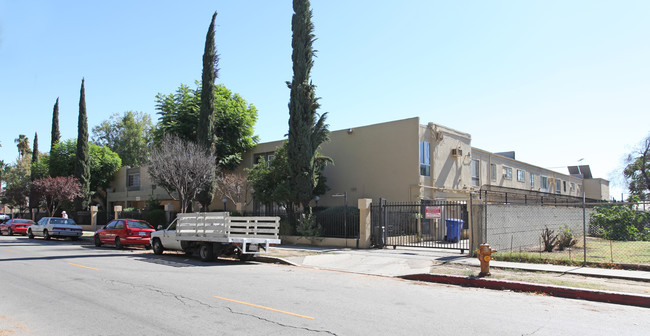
555	81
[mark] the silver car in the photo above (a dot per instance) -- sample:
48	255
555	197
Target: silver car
49	227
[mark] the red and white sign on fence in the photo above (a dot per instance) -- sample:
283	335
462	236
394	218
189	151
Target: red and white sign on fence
432	212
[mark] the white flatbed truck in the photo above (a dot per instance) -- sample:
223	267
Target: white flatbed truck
213	234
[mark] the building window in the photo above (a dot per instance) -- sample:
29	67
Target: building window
493	169
133	179
564	185
558	186
532	180
507	173
543	183
267	157
521	175
475	172
425	158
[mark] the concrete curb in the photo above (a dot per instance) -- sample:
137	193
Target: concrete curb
567	292
274	260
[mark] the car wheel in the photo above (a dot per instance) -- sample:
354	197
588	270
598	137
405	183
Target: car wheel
30	235
206	253
9	232
98	242
118	243
157	247
46	235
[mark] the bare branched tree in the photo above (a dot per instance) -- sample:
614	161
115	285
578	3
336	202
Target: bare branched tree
232	186
181	166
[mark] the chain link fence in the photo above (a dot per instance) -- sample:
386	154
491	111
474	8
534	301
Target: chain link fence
571	232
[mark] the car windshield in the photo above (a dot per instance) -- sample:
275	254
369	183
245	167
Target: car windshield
67	221
139	225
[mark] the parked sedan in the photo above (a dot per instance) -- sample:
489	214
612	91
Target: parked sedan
123	232
14	226
48	227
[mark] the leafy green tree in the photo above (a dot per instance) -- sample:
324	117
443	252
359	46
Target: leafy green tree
17	178
205	134
103	164
307	130
130	135
234	121
179	114
82	160
637	171
56	135
270	181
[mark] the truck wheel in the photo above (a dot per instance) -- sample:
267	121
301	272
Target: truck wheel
157	247
206	253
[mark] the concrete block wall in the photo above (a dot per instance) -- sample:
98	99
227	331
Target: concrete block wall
512	227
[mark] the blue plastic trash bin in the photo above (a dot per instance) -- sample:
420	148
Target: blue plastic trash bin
454	226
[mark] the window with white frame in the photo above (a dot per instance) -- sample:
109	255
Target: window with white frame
475	172
507	173
558	186
521	175
532	180
425	158
493	171
543	183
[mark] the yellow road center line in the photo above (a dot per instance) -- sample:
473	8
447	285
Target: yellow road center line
83	266
262	307
10	251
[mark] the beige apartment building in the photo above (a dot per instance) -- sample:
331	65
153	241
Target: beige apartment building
401	161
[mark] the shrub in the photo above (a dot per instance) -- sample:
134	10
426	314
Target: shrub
308	227
620	223
156	218
549	238
565	238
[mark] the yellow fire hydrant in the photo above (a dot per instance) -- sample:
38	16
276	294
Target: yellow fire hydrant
484	256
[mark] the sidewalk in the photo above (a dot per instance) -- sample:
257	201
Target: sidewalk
449	266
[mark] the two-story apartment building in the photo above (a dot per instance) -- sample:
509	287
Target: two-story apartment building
402	160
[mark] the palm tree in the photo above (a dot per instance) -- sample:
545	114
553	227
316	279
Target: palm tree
22	142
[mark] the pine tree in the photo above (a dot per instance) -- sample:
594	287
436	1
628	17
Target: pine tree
205	136
56	135
307	130
82	163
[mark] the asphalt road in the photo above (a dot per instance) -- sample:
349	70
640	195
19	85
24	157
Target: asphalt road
60	287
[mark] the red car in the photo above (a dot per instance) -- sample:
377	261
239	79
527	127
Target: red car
123	232
14	226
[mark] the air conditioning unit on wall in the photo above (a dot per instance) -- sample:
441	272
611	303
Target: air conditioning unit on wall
456	152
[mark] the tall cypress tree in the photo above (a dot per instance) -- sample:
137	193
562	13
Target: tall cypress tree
35	150
307	130
33	196
82	163
204	134
56	135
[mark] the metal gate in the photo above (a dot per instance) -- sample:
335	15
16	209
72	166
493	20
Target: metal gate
433	224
